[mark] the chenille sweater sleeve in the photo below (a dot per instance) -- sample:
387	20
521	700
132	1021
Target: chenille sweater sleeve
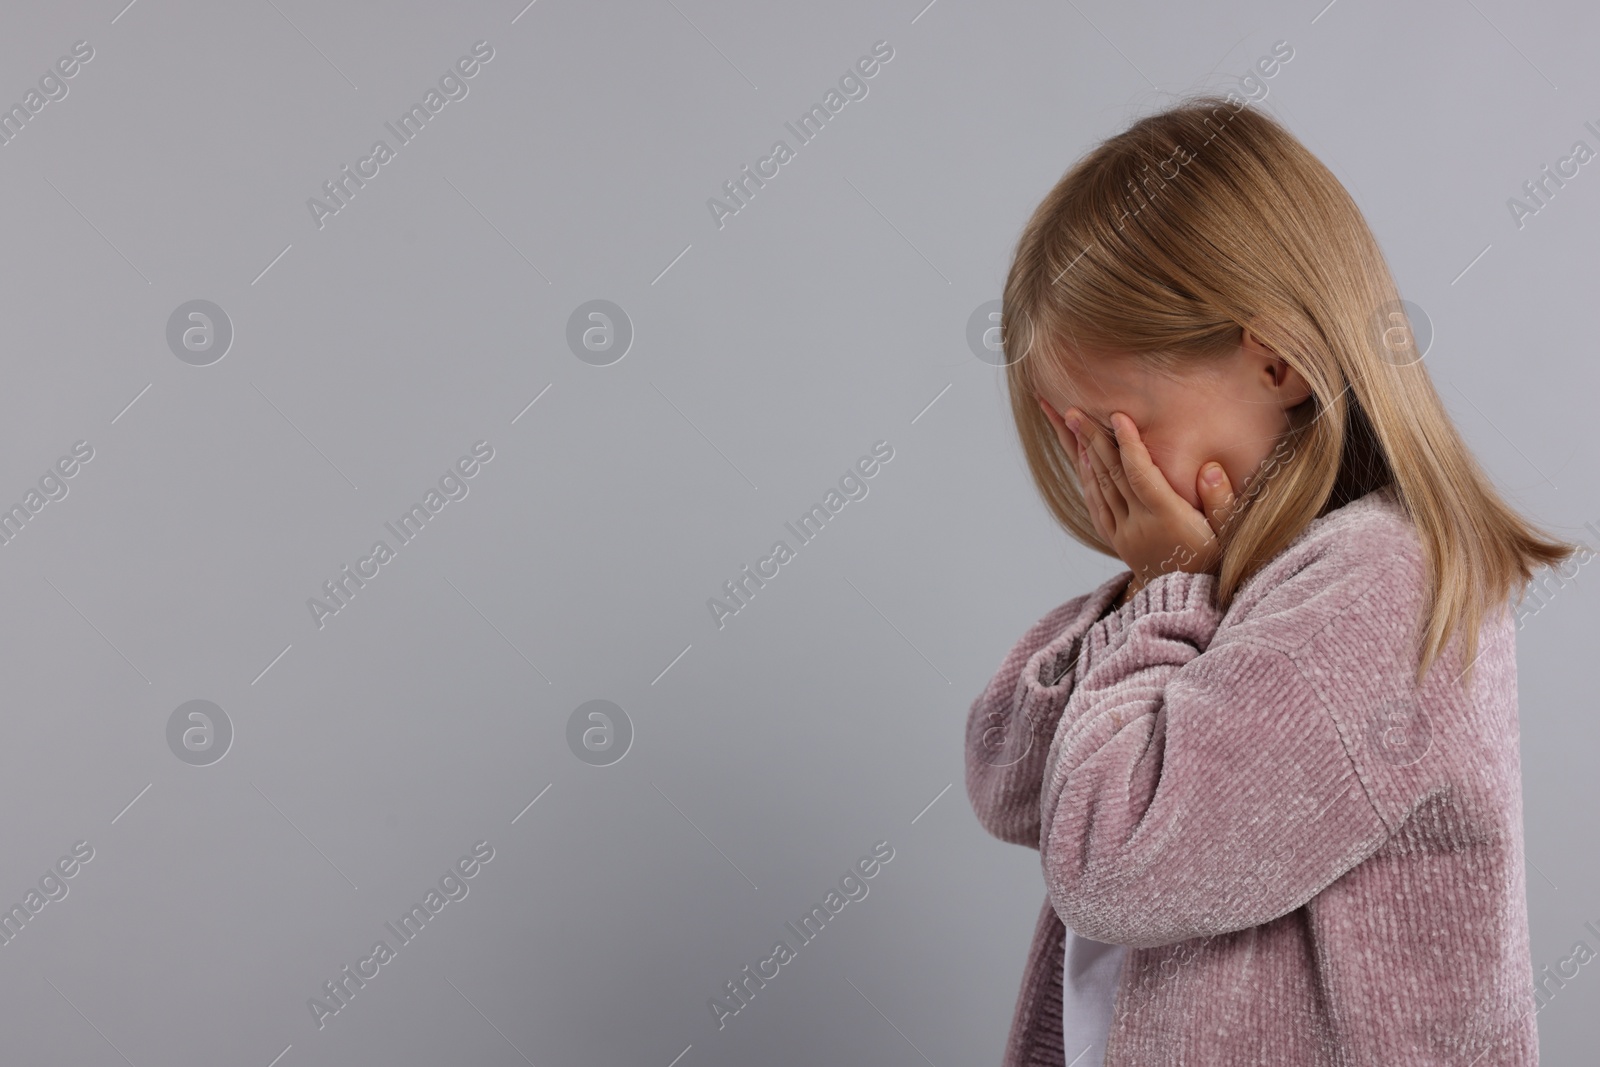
1193	788
1010	725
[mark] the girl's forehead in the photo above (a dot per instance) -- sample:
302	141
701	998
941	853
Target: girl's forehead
1089	381
1110	378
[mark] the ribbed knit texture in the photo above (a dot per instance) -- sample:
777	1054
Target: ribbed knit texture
1315	863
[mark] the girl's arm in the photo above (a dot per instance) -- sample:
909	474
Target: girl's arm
1195	788
1010	725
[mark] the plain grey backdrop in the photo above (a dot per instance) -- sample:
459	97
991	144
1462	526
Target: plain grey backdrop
768	354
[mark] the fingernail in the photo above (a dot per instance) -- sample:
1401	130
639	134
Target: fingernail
1072	423
1212	474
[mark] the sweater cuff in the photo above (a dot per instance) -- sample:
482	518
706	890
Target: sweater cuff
1174	591
1047	668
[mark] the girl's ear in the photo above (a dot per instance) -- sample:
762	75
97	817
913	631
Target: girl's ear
1290	385
1254	344
1286	381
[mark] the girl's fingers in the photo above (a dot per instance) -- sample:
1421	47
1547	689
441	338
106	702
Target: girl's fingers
1217	501
1102	463
1105	523
1064	434
1111	458
1070	441
1100	496
1141	477
1051	416
1099	513
1050	413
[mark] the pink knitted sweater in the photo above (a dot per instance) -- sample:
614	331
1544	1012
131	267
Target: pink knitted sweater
1315	863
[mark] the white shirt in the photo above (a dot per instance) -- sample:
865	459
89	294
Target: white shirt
1088	995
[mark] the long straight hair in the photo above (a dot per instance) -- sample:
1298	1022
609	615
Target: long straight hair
1160	245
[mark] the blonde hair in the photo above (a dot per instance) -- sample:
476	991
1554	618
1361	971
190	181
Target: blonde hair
1162	243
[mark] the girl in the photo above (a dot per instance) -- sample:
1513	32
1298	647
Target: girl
1272	767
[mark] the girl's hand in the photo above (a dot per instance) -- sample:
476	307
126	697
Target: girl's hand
1135	511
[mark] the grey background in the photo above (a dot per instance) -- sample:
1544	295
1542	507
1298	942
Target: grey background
827	315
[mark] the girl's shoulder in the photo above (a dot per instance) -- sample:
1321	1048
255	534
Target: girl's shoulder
1364	551
1368	527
